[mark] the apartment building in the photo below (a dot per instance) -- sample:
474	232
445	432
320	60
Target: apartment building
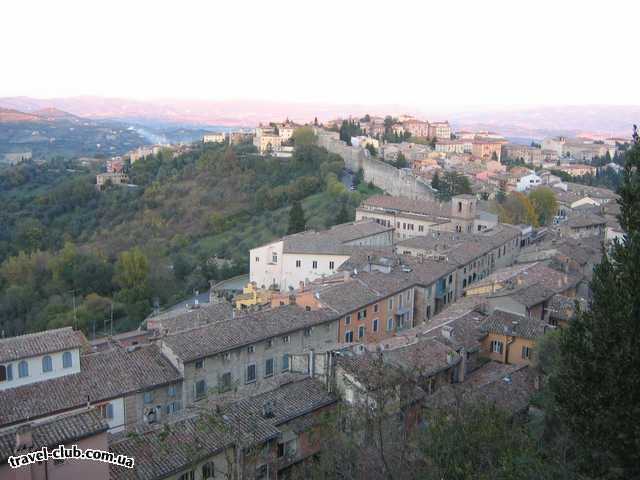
51	373
217	137
525	153
267	140
510	338
248	353
440	130
103	180
307	256
412	217
454	146
487	148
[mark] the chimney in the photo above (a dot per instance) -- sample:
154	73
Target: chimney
447	331
292	298
24	437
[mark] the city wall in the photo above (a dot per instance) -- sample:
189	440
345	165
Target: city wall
392	180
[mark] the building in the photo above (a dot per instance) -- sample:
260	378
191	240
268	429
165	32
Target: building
50	373
440	130
267	140
525	153
527	182
417	128
487	149
218	137
411	217
104	180
307	256
143	152
16	157
252	297
581	226
247	354
510	338
454	146
85	428
577	170
115	165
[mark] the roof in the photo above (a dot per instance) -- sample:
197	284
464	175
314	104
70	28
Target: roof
564	308
505	323
103	375
424	357
587	220
175	321
244	330
61	430
335	240
33	344
406	204
162	451
463	330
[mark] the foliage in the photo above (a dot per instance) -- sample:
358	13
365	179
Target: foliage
518	209
401	161
348	129
304	136
597	384
452	183
297	222
372	150
544	203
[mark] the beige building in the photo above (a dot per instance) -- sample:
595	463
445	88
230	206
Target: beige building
267	140
218	137
440	130
105	179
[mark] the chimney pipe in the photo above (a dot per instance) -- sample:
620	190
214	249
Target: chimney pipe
24	437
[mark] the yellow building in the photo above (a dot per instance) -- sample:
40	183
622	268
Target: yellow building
252	296
511	338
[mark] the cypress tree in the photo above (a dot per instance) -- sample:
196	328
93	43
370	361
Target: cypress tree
597	383
297	222
343	215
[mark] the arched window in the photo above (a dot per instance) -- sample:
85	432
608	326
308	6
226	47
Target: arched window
47	364
67	361
23	369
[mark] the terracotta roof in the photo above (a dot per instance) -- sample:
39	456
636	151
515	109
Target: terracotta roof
243	330
175	321
163	451
505	323
39	343
103	375
410	205
61	430
564	308
580	221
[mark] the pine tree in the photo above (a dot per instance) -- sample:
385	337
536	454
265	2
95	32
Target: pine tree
597	384
435	182
343	215
297	222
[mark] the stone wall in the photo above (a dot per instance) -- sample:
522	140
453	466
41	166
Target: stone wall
392	180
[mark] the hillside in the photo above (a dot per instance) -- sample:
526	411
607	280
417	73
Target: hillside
14	116
155	243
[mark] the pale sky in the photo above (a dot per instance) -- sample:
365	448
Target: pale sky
418	53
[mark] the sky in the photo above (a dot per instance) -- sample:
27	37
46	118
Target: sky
417	53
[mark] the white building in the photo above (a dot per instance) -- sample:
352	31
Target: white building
528	181
307	256
218	137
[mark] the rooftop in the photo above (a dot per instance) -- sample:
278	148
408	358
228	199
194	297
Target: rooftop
178	320
61	430
505	323
410	205
40	343
244	330
103	375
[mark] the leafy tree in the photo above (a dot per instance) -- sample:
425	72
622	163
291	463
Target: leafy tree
451	184
517	209
297	222
597	383
343	215
304	136
372	150
435	181
359	177
544	203
401	161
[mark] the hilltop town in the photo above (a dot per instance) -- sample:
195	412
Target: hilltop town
465	253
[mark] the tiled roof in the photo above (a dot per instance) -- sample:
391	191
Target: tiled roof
103	375
243	330
505	323
61	430
334	240
425	357
464	330
162	451
172	322
564	308
33	344
406	204
580	221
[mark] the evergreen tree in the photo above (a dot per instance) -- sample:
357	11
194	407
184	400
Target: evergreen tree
597	384
297	222
435	182
343	215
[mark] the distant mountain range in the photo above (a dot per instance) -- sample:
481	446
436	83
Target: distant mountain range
523	122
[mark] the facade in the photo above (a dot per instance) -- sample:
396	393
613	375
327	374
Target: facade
16	158
487	149
528	181
218	137
307	256
105	179
266	140
411	218
440	130
511	338
527	154
143	152
577	170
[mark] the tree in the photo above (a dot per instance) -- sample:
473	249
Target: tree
401	161
451	184
343	215
517	209
372	150
544	203
297	222
597	384
304	136
435	181
359	177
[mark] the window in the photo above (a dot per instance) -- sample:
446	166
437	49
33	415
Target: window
269	343
257	259
23	369
47	364
201	388
287	449
274	258
286	339
208	471
420	228
200	363
526	353
148	397
172	407
226	356
348	336
3	373
389	324
496	346
285	362
307	308
362	314
251	373
361	331
251	349
67	361
375	308
106	411
268	368
298	263
375	325
314	264
190	475
171	391
347	320
391	304
332	265
307	332
224	383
